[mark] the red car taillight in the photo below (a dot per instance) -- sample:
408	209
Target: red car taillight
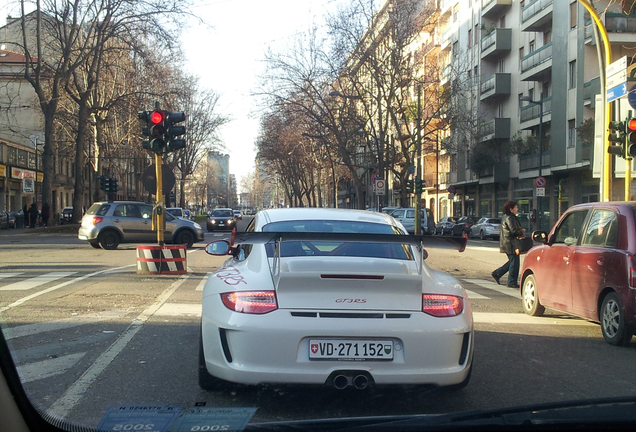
441	305
95	220
251	302
631	271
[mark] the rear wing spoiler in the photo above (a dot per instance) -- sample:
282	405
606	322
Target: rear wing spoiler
422	241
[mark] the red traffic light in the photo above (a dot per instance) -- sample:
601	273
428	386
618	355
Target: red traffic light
156	117
631	124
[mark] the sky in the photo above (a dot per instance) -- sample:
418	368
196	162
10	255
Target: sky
227	55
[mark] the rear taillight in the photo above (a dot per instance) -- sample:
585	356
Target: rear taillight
441	305
251	302
631	270
95	220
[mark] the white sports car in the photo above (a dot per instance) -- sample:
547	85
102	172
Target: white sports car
335	297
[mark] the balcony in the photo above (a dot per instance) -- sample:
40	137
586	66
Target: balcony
494	8
498	128
445	6
444	75
498	42
532	111
620	28
497	85
590	90
532	161
537	65
445	39
536	15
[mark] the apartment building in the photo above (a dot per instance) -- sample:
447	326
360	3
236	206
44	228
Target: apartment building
526	68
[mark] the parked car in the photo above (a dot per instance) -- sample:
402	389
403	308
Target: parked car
66	216
188	214
406	216
107	224
320	297
4	220
176	212
221	219
238	215
445	225
485	227
463	224
586	266
388	209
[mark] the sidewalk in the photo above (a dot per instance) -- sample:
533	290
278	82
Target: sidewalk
67	228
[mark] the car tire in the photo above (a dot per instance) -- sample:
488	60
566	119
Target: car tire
613	326
530	297
185	237
108	240
94	244
207	381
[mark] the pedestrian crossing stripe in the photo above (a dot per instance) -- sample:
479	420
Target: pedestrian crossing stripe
34	282
9	275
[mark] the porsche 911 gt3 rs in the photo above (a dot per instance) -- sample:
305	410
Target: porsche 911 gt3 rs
336	297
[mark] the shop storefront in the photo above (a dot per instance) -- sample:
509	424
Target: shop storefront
523	194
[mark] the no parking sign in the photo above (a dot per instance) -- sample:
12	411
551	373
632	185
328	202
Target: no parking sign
540	182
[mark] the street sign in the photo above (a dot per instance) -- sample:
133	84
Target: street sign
28	185
616	92
617	66
379	186
540	191
617	79
631	97
451	189
540	182
374	177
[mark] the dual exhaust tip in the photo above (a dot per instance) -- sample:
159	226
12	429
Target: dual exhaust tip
356	379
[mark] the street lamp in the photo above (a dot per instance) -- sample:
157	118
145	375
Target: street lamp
540	103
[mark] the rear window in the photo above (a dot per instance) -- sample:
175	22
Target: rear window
335	248
98	209
494	221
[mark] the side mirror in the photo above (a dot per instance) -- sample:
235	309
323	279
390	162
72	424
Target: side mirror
540	237
218	247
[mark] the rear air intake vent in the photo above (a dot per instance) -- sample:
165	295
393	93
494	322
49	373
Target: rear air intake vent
362	315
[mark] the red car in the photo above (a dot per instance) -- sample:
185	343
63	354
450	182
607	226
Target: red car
586	266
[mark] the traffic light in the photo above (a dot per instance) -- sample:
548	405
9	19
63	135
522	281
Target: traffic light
106	184
144	116
419	185
630	144
617	135
173	131
113	185
410	186
102	182
157	131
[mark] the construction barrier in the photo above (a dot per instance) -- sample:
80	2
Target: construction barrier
162	259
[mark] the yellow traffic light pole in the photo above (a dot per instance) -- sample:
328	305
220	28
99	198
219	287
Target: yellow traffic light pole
607	157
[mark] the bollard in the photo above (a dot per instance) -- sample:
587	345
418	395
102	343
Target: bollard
162	259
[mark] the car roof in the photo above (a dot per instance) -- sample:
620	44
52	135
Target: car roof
305	213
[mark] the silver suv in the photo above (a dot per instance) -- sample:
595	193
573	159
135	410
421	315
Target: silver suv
406	215
107	224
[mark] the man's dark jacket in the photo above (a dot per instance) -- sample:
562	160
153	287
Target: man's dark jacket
509	229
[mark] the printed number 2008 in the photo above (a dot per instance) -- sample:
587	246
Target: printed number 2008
210	428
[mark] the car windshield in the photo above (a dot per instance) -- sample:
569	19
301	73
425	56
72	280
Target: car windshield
121	310
223	213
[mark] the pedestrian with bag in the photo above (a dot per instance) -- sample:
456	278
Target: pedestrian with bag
509	230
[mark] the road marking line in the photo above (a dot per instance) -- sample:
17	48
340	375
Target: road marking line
36	328
512	292
47	368
8	275
203	281
63	284
34	282
474	295
180	309
517	318
77	390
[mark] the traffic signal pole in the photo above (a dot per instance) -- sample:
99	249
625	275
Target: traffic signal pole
161	214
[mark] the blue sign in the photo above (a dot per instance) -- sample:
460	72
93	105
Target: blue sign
631	97
616	92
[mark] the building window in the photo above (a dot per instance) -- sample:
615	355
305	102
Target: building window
500	110
531	46
520	104
470	37
502	22
520	56
22	158
573	74
476	41
574	15
571	133
13	156
501	66
455	12
32	161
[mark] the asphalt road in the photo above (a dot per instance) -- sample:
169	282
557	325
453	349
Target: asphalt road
87	332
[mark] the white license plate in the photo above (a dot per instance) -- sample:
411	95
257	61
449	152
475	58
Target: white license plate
344	349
